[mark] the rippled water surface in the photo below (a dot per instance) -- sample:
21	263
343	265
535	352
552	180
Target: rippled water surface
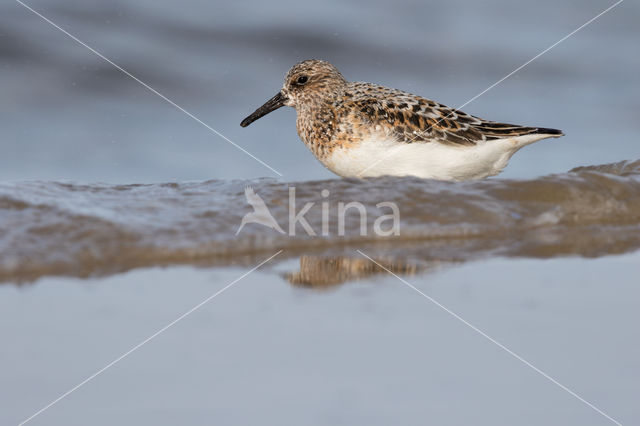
89	229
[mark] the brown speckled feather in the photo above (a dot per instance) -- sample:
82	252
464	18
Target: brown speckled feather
415	119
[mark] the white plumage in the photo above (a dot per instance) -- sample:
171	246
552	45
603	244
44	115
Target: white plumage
382	155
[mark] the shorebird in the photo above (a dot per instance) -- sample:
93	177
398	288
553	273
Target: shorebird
361	129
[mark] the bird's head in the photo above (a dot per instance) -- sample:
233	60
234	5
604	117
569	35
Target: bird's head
306	83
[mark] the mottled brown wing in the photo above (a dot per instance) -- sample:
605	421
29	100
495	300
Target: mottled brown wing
415	119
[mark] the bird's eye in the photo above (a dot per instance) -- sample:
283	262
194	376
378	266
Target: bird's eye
302	79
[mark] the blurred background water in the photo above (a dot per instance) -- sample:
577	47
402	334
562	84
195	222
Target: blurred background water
67	114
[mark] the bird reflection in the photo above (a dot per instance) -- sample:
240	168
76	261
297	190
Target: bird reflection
320	272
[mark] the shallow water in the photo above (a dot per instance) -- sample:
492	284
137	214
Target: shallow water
370	352
97	229
543	258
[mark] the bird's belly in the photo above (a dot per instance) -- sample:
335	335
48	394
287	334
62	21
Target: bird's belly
431	160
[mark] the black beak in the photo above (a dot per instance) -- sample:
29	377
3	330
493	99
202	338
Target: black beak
271	105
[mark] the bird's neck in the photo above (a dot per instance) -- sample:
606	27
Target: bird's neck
316	124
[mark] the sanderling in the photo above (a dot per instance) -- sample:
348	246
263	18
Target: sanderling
362	130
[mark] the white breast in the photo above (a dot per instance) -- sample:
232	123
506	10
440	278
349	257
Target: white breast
381	156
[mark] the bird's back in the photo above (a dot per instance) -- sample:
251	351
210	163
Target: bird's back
412	118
